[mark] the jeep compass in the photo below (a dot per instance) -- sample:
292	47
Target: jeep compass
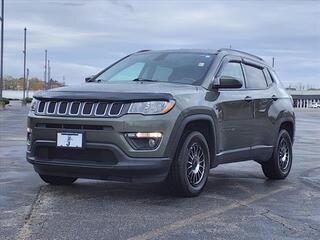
164	116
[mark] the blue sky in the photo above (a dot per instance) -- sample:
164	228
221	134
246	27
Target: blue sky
84	36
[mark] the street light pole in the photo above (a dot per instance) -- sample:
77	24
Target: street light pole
49	75
1	49
45	68
24	65
28	84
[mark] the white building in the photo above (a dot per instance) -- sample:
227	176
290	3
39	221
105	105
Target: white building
305	98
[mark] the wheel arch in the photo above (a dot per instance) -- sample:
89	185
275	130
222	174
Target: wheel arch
287	123
203	123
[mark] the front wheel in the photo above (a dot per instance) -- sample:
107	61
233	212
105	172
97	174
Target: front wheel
279	166
55	180
189	171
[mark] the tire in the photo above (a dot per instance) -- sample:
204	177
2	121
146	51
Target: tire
279	166
55	180
185	177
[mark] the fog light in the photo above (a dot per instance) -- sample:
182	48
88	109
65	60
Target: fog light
29	137
144	140
147	134
152	143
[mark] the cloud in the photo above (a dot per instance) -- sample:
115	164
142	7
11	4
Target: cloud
84	36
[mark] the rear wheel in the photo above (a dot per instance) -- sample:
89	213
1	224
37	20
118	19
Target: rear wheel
55	180
279	166
189	171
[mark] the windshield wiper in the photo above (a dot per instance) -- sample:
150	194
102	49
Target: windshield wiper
144	80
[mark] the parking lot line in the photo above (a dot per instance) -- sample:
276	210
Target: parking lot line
200	217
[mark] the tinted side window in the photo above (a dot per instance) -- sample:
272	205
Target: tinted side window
275	77
255	77
268	77
232	69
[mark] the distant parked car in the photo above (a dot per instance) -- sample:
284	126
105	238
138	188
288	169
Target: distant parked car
315	105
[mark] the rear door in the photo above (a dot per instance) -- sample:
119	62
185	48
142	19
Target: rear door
261	89
235	114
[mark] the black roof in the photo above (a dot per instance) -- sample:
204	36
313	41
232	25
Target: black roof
238	52
211	51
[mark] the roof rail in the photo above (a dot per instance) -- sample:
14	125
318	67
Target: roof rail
238	51
143	50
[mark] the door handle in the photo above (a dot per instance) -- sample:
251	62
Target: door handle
248	99
274	98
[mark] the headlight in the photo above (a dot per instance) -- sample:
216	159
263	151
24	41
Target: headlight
34	105
151	107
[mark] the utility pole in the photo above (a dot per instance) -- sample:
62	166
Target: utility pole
28	84
24	66
273	62
45	69
1	49
49	75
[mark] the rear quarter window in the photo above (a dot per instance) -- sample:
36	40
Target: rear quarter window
275	77
255	77
268	76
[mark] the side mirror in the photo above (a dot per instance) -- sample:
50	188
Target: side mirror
227	82
89	79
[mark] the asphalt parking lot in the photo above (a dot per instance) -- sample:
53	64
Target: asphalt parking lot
238	202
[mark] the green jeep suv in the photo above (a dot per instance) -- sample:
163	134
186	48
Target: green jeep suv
164	116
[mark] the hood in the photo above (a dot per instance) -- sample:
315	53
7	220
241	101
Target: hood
127	91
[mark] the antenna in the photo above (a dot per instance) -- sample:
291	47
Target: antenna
273	62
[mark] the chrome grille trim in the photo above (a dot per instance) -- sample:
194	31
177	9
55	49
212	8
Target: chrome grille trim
96	108
82	109
115	115
107	111
44	108
70	107
58	109
47	108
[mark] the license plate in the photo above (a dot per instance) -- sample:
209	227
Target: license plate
70	140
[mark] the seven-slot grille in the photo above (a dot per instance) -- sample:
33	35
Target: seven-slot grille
79	109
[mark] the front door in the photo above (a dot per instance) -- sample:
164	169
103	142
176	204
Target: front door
235	110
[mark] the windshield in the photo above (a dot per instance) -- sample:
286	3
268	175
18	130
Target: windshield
175	67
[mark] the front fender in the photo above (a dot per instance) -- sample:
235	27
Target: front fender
183	120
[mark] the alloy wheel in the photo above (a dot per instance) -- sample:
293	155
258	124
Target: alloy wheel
196	164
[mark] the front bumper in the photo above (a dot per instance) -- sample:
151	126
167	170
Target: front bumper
106	153
113	164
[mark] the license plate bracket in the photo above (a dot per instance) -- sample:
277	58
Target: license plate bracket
70	140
